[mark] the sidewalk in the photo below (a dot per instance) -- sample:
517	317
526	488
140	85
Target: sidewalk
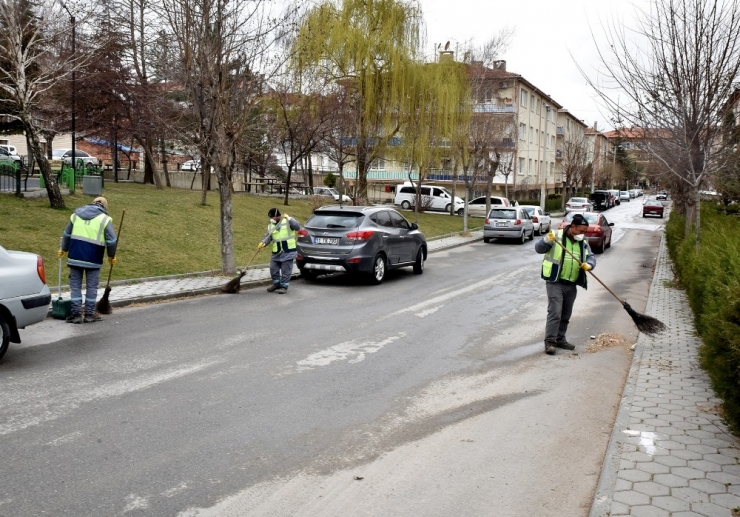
669	453
143	290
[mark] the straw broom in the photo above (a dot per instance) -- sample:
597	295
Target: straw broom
235	284
103	306
645	324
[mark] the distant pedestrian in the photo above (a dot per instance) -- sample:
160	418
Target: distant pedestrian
89	233
562	273
281	232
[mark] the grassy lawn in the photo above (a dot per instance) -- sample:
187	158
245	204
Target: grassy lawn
165	232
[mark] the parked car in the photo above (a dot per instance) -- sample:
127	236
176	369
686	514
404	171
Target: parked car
365	240
190	165
615	197
634	193
653	207
334	193
477	206
432	198
540	219
24	296
512	222
10	148
66	156
6	155
599	233
601	200
624	195
662	195
578	204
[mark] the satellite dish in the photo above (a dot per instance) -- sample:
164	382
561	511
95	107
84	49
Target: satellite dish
447	45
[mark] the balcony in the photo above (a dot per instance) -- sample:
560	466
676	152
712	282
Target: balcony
558	154
560	131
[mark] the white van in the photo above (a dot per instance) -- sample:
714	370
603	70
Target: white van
433	198
10	148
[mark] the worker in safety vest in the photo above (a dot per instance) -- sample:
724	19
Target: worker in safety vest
562	273
281	232
89	233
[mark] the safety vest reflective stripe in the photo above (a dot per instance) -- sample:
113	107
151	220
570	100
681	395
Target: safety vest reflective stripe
282	232
91	230
555	265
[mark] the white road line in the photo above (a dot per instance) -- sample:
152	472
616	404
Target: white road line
350	351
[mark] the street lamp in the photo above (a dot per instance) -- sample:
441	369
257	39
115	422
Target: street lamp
74	165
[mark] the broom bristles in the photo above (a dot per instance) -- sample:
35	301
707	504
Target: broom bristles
645	324
234	285
103	305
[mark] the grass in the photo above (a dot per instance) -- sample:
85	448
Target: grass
167	231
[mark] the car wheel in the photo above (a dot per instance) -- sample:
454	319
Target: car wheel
610	242
599	249
531	235
523	238
486	239
405	205
539	229
378	273
447	208
5	335
419	264
307	274
461	211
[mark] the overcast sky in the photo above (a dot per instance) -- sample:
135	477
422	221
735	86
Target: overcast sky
548	36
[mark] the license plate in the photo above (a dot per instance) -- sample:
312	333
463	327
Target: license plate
326	240
499	225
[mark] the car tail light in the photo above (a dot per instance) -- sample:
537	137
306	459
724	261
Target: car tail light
360	236
40	268
518	222
568	205
354	260
535	220
299	257
488	221
302	233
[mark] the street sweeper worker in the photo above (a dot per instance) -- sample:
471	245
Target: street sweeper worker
281	232
89	233
562	273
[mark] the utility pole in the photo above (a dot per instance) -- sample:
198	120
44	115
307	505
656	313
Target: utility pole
543	185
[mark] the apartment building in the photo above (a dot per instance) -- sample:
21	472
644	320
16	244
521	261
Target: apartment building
600	151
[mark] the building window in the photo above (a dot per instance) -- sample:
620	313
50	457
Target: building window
552	169
552	141
378	164
531	102
538	106
523	98
531	135
523	132
529	169
521	166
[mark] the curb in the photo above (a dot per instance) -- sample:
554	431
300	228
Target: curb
602	502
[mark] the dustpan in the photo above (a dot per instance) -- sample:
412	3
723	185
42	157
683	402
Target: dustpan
61	309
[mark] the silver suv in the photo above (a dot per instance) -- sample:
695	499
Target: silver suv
368	240
24	296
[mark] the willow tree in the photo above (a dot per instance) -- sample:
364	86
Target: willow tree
437	103
367	47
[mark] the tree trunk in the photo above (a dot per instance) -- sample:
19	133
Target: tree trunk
164	162
697	204
287	184
228	260
50	179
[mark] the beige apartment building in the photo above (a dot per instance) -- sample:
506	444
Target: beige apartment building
600	151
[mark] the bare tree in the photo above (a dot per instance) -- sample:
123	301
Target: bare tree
676	70
574	162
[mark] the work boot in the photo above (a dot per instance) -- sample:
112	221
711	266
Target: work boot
92	318
282	290
549	348
565	345
75	318
273	287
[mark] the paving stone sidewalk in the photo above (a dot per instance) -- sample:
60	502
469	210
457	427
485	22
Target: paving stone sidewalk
669	454
180	286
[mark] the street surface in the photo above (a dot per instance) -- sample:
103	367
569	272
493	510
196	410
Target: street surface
427	395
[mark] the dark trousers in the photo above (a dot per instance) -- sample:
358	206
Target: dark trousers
560	299
281	268
92	278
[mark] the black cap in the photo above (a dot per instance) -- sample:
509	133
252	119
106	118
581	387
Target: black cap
273	212
579	220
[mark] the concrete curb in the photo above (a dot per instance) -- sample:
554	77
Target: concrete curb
602	503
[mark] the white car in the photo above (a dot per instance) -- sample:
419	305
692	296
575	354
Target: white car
578	204
326	191
24	295
6	155
540	219
477	206
66	156
624	195
190	165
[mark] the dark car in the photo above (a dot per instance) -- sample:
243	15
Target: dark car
359	239
602	199
652	207
599	233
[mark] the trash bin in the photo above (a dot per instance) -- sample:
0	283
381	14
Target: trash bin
92	185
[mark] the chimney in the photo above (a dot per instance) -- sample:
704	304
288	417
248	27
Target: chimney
446	56
596	122
499	65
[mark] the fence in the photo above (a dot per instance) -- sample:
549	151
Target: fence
10	178
73	179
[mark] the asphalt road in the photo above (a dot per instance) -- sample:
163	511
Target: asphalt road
427	395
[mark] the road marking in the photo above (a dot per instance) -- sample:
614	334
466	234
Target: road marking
350	351
67	438
424	314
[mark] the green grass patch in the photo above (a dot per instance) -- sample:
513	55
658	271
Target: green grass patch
165	231
711	277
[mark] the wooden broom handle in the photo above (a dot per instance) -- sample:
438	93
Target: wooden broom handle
596	277
118	238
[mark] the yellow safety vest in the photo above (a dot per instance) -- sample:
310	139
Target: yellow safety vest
557	264
91	230
282	233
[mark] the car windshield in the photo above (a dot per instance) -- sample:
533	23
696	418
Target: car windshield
578	200
57	153
499	213
654	203
591	218
529	210
335	220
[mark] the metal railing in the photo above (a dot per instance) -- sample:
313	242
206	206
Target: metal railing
10	177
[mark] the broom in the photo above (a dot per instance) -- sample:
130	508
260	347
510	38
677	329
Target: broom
645	324
103	306
235	284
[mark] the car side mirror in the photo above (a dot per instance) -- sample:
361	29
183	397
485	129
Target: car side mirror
611	224
547	213
414	226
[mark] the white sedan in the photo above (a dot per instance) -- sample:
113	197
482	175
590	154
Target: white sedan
540	219
66	156
578	204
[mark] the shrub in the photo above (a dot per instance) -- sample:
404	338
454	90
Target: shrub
711	277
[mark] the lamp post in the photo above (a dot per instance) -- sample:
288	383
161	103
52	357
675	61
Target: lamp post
543	187
74	165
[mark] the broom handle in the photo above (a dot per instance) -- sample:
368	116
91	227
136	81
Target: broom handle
118	238
252	259
596	277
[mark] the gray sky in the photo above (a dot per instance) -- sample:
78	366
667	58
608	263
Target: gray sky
546	33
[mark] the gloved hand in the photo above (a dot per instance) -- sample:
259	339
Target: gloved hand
111	260
585	266
260	246
61	254
550	237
